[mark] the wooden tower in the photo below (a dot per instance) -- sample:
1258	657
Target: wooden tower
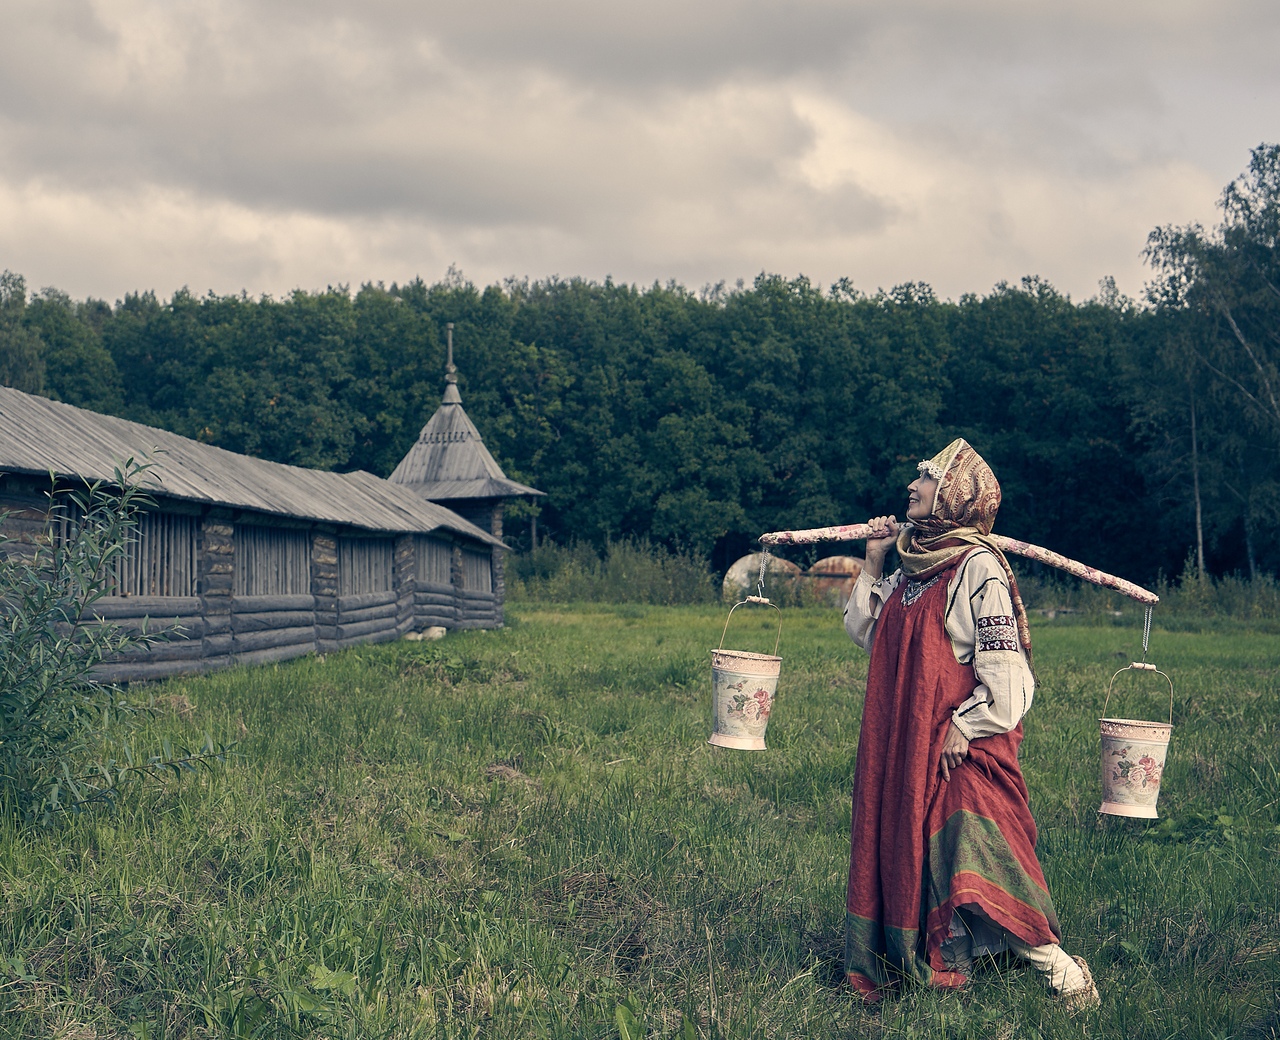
449	465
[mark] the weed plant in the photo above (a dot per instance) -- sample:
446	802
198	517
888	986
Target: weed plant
65	738
627	572
524	833
1188	604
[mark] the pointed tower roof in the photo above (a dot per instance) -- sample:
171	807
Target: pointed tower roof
449	460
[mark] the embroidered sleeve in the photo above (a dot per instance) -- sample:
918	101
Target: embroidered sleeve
1005	686
996	632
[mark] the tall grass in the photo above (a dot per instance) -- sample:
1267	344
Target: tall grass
523	833
627	572
1189	603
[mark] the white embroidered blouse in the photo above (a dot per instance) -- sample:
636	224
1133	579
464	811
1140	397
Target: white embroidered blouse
983	632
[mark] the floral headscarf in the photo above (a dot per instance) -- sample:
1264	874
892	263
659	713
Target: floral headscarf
964	512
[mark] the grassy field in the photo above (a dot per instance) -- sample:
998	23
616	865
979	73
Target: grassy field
523	833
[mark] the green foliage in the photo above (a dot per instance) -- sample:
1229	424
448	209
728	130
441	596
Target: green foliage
21	352
628	572
518	833
63	736
78	368
1219	292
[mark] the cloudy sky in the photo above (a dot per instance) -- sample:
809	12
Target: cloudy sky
227	145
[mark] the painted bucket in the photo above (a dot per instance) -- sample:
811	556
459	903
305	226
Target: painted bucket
1133	757
743	687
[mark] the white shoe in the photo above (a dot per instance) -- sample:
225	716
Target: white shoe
1083	997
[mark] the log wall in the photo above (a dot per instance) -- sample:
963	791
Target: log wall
217	627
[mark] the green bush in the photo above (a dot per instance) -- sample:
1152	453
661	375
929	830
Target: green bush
63	736
629	572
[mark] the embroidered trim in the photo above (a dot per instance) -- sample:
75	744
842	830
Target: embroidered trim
915	589
929	468
996	632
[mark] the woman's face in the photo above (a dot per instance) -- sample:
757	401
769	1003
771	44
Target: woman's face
920	495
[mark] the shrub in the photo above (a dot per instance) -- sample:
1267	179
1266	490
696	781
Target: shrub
628	572
63	736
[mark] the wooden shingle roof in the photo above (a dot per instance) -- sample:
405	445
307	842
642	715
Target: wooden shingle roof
38	436
450	461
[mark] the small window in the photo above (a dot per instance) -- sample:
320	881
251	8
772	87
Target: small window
477	571
364	565
272	561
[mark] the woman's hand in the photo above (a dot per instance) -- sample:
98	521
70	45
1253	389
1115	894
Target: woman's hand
884	532
955	749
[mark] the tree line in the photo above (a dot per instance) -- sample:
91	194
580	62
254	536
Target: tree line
1136	435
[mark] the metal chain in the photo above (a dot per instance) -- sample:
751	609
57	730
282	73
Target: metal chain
1146	634
764	559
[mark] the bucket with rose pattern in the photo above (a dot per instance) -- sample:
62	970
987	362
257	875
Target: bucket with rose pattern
1133	756
743	686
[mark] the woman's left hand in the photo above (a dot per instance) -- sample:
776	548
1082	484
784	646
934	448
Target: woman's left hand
955	749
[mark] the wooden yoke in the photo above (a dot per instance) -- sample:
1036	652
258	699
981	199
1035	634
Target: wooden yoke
857	532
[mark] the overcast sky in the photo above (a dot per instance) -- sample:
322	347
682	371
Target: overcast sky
229	145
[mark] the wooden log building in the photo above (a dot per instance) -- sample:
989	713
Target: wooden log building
259	561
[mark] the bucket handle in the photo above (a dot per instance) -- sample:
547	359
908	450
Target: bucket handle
763	602
1140	666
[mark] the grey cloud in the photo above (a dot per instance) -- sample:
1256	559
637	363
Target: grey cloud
577	132
253	76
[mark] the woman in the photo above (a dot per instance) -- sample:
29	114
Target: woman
943	866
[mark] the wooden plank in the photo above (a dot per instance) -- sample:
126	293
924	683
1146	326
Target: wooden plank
216	623
351	617
186	628
365	628
369	599
17	525
272	561
140	672
270	655
273	619
477	571
217	645
433	561
262	604
250	641
177	650
112	607
387	636
365	565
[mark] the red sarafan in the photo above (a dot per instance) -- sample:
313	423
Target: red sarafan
909	825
